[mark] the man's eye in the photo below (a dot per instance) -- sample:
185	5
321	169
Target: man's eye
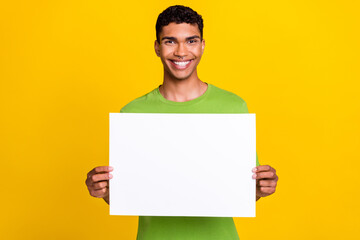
192	41
169	42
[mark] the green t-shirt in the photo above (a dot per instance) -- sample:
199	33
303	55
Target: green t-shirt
214	100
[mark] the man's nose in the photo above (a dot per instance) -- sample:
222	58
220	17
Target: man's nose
180	50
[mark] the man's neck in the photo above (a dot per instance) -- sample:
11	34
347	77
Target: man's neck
182	90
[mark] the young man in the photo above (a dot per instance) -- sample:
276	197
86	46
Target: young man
180	45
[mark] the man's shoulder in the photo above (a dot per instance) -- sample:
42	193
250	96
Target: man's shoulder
139	104
223	97
226	95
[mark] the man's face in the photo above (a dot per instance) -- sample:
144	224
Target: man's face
180	50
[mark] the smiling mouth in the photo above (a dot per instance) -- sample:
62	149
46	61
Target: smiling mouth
181	64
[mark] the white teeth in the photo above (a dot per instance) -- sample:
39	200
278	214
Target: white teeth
182	64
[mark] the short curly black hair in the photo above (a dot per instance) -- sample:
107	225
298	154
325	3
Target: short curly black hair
178	14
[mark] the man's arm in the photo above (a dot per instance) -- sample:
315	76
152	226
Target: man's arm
266	180
97	182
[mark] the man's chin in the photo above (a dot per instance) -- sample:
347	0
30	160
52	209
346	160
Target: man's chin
180	77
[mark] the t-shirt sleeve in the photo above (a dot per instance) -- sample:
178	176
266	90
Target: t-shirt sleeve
126	108
131	107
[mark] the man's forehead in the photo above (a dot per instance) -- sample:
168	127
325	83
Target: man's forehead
180	30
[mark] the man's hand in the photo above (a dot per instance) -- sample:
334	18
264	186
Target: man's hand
266	180
97	182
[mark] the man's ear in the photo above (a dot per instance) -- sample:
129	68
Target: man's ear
157	48
202	46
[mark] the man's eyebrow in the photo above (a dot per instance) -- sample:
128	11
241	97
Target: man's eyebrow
192	37
169	38
174	38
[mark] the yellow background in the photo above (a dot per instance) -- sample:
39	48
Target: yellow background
64	65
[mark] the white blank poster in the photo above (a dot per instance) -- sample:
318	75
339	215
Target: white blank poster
182	164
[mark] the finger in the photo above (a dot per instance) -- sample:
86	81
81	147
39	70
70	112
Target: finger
267	183
101	169
99	193
100	185
263	168
100	177
264	175
268	190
